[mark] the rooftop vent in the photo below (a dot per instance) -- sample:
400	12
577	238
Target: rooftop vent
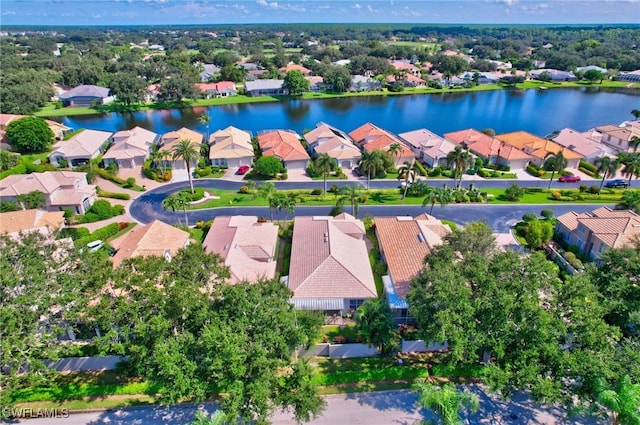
420	237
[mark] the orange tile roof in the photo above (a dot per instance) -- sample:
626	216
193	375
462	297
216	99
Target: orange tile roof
615	228
170	139
29	220
404	243
536	146
282	144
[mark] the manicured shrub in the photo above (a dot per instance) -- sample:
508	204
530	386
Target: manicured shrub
198	193
588	166
514	192
102	234
546	213
594	189
317	191
244	189
556	195
284	176
529	217
583	187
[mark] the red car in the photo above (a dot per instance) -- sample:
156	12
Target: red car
569	179
242	170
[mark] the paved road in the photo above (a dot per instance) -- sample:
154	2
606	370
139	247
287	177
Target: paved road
378	408
148	206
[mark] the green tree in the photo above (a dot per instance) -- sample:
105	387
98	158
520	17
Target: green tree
407	172
204	119
395	150
268	191
635	113
268	166
630	201
177	201
593	75
177	88
31	200
446	401
514	192
374	323
326	164
538	232
189	152
295	83
232	73
440	195
8	160
634	143
29	135
338	78
460	159
623	402
350	194
371	163
631	162
128	88
217	418
607	166
555	163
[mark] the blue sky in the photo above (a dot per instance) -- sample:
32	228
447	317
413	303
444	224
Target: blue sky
143	12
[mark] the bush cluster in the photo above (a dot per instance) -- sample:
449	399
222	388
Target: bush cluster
113	195
102	234
101	210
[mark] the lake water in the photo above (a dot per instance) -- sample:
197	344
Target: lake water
538	112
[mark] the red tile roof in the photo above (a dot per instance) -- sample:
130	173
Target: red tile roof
282	144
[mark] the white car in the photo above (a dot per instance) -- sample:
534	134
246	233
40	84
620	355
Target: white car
94	246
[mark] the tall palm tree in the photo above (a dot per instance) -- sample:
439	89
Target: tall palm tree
395	149
634	143
324	163
187	151
267	191
607	166
350	193
370	162
460	160
440	195
630	201
446	401
555	162
631	162
177	201
408	172
635	113
204	120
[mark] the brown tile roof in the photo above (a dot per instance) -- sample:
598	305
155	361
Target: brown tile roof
615	228
131	143
230	143
154	239
28	220
370	138
325	139
282	144
170	139
247	246
404	243
326	262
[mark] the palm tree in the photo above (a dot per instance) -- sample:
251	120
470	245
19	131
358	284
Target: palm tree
187	151
374	323
324	163
460	160
370	162
408	172
441	195
350	193
630	201
607	166
623	403
267	191
634	143
217	418
555	162
176	202
631	162
204	120
635	113
446	401
395	149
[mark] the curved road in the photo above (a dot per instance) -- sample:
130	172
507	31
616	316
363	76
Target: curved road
148	206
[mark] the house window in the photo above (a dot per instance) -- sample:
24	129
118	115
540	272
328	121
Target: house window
354	304
85	204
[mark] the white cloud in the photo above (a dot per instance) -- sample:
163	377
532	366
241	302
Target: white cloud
356	6
9	12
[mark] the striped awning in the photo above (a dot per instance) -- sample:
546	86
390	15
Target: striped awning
395	302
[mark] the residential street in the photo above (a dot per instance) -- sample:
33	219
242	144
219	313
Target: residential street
377	408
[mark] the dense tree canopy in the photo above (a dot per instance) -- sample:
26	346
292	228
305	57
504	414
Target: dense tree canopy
295	83
29	135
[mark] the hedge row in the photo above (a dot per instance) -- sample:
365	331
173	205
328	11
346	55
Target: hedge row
113	195
588	166
102	234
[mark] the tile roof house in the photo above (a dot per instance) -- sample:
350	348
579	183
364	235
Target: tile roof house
364	83
294	67
598	230
209	71
62	189
404	243
85	95
247	246
489	148
81	148
405	66
554	74
618	137
286	146
264	88
583	143
219	89
169	140
131	148
231	146
428	146
16	222
370	137
330	267
539	148
633	76
337	144
155	239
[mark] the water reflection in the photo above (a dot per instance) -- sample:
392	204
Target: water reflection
297	110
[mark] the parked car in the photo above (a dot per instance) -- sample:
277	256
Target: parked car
242	170
616	183
569	179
